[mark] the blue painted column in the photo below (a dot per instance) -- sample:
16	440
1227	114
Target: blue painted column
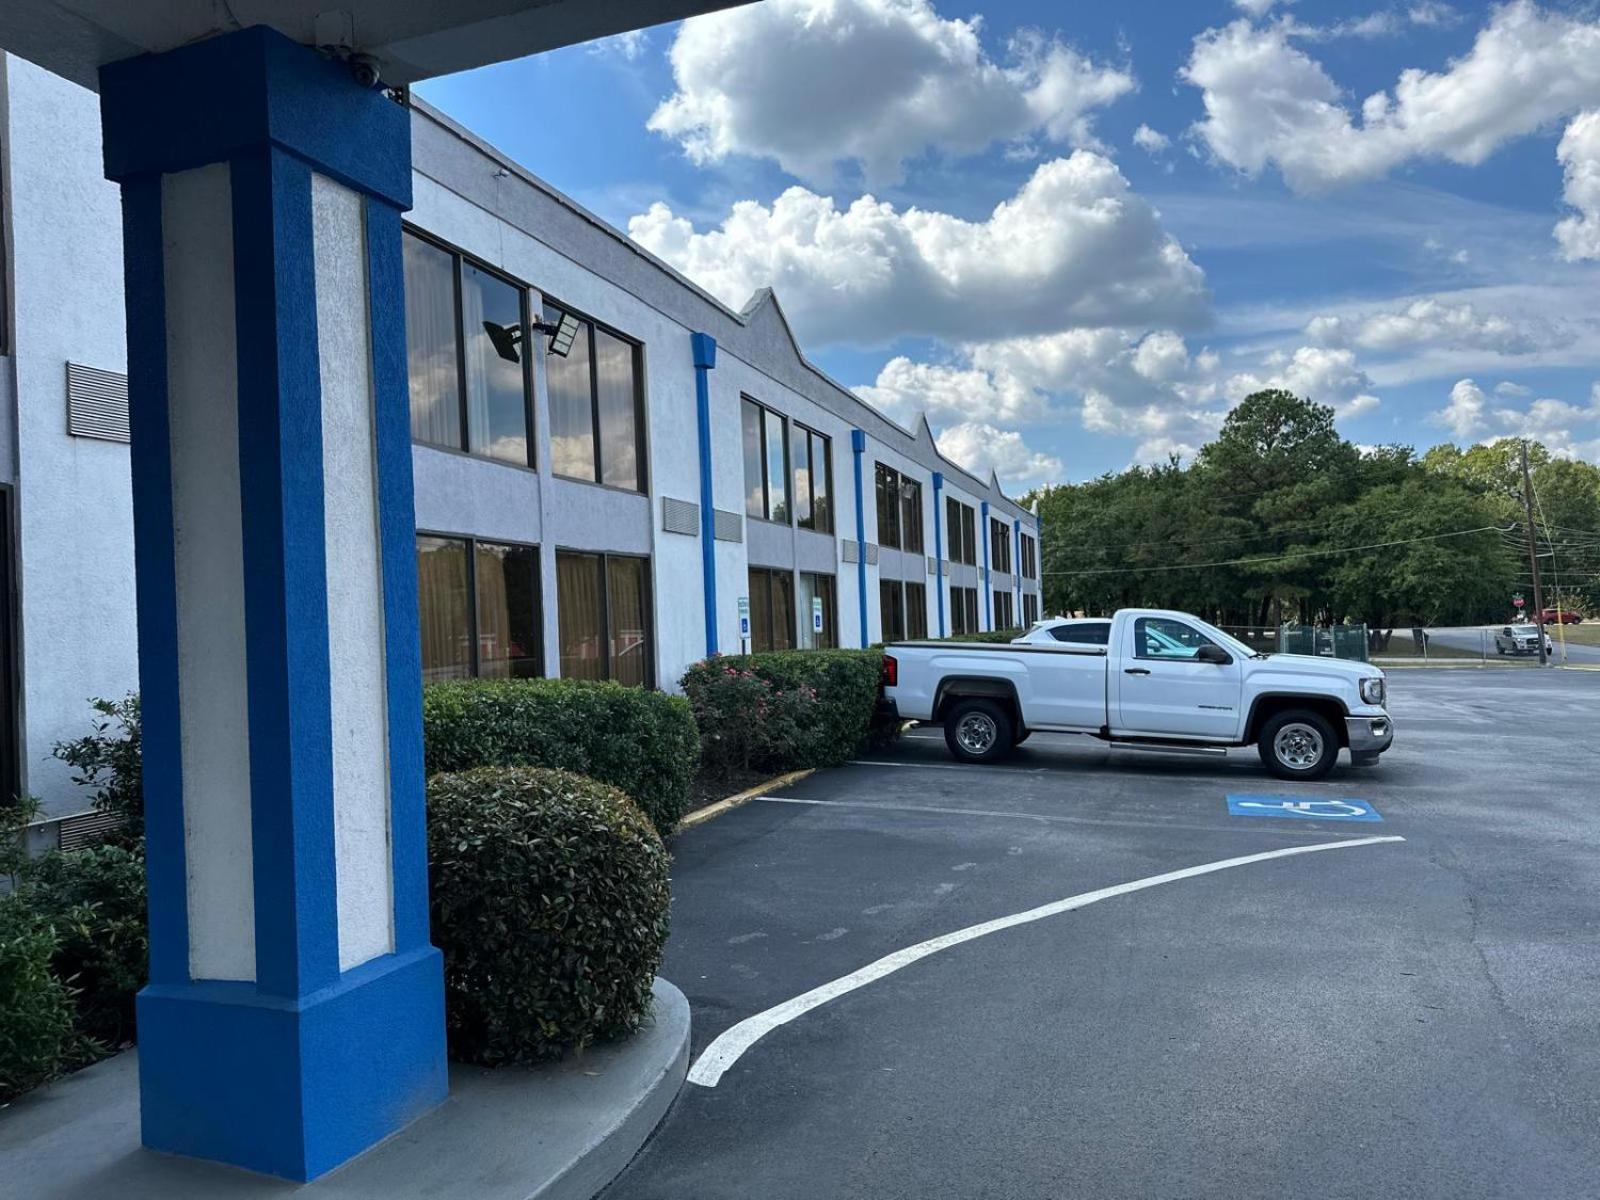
858	446
988	595
704	347
294	1014
938	544
1016	567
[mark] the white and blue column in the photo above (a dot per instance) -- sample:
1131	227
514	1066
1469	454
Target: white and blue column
1016	568
294	1014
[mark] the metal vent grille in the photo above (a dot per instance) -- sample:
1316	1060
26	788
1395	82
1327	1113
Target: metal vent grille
680	516
872	553
97	403
728	526
852	550
85	829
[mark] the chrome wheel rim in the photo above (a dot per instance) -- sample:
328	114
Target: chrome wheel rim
1298	746
976	733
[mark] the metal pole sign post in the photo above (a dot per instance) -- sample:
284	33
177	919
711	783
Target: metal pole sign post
744	623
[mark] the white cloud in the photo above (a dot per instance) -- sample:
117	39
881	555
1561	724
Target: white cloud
810	83
1567	430
1316	373
1428	323
1579	155
1464	414
1268	102
1149	140
1506	388
1256	8
629	46
952	394
1074	247
980	448
1432	14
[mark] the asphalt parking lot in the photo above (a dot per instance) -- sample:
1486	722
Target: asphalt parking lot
1416	1018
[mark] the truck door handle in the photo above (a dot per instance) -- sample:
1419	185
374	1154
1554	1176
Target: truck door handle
1135	671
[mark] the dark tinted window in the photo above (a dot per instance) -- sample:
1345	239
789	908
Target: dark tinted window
1090	633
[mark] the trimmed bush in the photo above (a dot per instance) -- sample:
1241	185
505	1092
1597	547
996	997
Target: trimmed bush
35	1006
95	900
108	763
837	712
550	901
988	635
639	741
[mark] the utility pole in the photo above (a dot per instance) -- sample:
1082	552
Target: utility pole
1533	552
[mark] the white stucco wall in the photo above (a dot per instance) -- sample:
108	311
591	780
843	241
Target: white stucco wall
74	508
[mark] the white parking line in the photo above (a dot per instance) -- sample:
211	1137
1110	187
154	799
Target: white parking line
726	1050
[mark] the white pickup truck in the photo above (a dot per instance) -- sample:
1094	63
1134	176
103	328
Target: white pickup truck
1148	680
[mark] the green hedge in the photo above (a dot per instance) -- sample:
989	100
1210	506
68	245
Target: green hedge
35	1006
837	715
991	635
550	902
642	742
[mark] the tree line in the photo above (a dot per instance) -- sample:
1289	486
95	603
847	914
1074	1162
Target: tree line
1281	519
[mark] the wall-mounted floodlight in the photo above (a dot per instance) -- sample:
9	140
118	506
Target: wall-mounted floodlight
562	334
504	338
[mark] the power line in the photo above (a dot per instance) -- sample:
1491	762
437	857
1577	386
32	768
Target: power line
1273	558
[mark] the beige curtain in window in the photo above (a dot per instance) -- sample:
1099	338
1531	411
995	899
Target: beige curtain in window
442	595
578	605
630	638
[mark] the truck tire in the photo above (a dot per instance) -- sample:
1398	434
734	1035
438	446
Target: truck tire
978	731
1298	744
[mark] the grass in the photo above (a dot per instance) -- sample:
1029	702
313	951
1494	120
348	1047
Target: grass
1587	634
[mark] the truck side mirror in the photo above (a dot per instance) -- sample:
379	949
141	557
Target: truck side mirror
1213	654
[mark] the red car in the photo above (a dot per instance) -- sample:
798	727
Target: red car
1560	616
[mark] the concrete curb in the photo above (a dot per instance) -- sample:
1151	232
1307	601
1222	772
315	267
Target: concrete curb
701	815
557	1132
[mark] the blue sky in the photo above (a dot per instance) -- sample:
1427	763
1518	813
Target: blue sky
1076	235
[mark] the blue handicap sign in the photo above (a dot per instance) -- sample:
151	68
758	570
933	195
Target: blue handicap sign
1309	808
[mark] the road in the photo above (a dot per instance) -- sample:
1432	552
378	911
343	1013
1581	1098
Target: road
1475	638
1400	1019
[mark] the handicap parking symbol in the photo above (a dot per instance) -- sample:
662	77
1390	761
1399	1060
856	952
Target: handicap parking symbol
1307	809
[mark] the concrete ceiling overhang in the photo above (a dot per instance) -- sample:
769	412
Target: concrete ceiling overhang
411	39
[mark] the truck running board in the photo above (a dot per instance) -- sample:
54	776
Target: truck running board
1172	748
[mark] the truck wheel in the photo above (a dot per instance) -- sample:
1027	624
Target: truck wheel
1298	744
978	731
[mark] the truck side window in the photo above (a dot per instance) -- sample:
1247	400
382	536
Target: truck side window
1162	637
1095	633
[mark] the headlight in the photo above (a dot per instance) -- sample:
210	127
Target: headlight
1372	691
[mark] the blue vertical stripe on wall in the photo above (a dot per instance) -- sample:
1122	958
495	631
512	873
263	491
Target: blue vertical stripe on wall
858	446
988	595
938	545
1016	567
704	348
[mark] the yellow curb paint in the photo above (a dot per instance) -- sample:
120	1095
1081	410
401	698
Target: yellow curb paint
701	815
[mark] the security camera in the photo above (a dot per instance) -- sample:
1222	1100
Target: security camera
364	70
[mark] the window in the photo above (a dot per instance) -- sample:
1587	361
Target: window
916	611
465	328
963	610
814	588
1162	637
596	421
1004	614
1030	559
772	610
999	546
769	458
1030	610
963	536
899	503
888	505
1082	633
479	609
603	601
816	467
892	610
